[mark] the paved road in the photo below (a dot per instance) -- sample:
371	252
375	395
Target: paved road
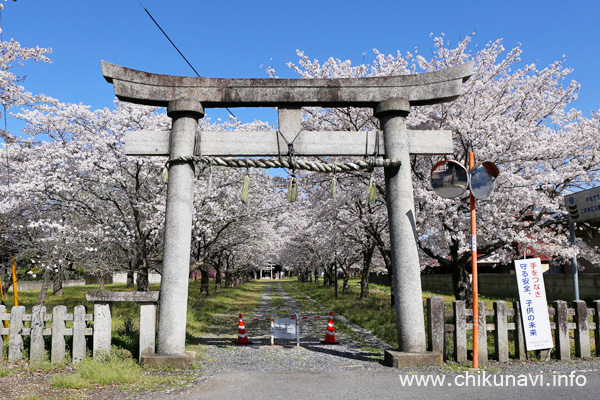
360	384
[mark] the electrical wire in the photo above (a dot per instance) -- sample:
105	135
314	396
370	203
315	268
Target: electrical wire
175	46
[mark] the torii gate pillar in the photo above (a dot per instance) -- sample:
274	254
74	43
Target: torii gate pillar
178	227
410	323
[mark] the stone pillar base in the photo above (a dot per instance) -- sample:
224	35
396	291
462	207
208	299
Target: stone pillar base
398	359
177	361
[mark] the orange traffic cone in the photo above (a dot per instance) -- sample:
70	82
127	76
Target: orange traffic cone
242	338
330	333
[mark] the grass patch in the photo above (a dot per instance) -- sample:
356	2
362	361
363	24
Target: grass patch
116	370
374	313
218	313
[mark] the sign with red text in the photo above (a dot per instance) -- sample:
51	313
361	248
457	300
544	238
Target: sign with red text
534	307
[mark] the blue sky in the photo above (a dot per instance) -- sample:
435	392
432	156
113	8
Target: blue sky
234	38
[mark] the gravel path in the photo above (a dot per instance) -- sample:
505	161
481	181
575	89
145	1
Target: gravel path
310	356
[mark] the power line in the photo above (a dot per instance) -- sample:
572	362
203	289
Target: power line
176	48
168	38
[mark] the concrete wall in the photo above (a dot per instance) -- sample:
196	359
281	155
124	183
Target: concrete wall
37	285
121	277
558	287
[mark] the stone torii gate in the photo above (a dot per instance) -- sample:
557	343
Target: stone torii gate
187	97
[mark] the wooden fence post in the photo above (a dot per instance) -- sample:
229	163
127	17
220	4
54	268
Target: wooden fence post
3	331
460	331
582	334
78	334
15	343
435	324
501	332
483	351
36	347
561	331
597	327
102	329
520	351
147	329
57	351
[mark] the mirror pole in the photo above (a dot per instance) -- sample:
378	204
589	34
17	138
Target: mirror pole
474	283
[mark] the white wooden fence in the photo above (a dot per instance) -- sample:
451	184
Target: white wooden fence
59	325
447	329
34	326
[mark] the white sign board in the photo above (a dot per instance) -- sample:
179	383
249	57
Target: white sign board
584	206
534	307
283	328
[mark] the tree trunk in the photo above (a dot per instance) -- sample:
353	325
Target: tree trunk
6	285
103	281
345	285
204	282
130	279
367	251
462	284
387	259
143	283
227	278
41	299
57	285
218	279
364	283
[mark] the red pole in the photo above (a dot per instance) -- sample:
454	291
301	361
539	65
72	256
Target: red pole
474	272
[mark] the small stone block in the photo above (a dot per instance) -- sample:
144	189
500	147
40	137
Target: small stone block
177	361
398	359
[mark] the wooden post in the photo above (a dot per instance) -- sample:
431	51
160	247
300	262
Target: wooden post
460	331
582	333
501	332
15	343
102	330
561	331
147	328
597	326
483	351
4	331
79	326
57	352
436	329
520	351
36	349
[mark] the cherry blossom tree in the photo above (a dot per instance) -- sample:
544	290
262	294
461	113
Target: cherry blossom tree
13	94
511	113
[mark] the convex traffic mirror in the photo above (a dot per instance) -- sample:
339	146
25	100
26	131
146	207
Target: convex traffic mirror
482	177
450	179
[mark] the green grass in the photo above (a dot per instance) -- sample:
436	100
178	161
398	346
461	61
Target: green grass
374	313
115	370
218	313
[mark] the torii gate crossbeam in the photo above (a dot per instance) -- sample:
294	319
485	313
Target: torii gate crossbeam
186	98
